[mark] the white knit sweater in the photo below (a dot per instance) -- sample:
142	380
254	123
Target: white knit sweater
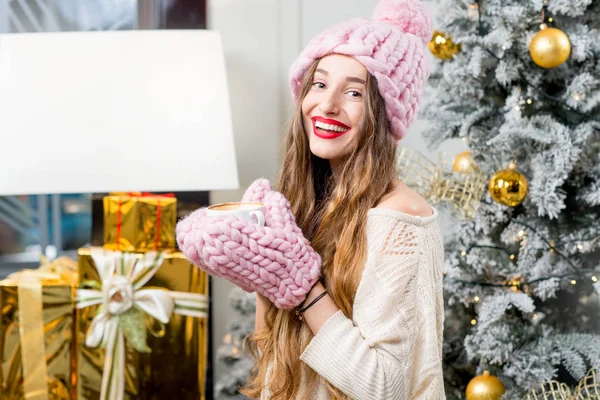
392	347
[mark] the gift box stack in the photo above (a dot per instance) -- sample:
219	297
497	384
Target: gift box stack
128	320
141	321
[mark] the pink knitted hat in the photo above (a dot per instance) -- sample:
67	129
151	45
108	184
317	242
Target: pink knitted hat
391	47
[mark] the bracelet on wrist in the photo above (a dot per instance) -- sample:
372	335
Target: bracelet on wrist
301	309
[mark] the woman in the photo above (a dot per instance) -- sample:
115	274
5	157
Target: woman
371	328
377	333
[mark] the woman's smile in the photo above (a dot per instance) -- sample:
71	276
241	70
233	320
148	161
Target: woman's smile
326	128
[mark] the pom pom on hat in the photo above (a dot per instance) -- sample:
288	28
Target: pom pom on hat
407	15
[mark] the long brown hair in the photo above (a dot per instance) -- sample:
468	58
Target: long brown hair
333	215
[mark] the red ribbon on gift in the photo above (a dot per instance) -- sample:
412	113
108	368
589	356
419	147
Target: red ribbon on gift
158	214
148	194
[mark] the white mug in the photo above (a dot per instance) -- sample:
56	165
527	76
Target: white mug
250	211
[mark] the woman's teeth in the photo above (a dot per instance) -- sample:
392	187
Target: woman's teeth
330	127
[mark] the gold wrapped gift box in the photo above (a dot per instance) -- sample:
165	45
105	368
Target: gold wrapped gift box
36	324
175	367
139	222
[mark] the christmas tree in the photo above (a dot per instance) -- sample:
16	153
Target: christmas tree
231	354
519	82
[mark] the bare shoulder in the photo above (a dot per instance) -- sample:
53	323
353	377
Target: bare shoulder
407	201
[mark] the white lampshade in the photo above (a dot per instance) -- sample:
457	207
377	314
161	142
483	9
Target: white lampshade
114	111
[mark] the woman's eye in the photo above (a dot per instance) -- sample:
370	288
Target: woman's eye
355	94
319	85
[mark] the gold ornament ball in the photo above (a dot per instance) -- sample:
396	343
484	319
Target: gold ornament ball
442	46
508	187
550	47
485	387
464	162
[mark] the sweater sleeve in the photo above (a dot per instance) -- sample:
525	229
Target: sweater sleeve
370	357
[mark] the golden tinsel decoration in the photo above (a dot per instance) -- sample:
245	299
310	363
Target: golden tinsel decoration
588	389
57	390
485	387
508	186
442	46
550	47
438	182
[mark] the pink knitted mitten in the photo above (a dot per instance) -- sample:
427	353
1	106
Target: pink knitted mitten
276	260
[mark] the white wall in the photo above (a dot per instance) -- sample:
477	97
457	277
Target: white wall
261	40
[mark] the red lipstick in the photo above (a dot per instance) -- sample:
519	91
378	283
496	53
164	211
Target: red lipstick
327	134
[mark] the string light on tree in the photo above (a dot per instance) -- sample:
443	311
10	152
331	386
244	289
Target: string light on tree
485	387
473	11
515	284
